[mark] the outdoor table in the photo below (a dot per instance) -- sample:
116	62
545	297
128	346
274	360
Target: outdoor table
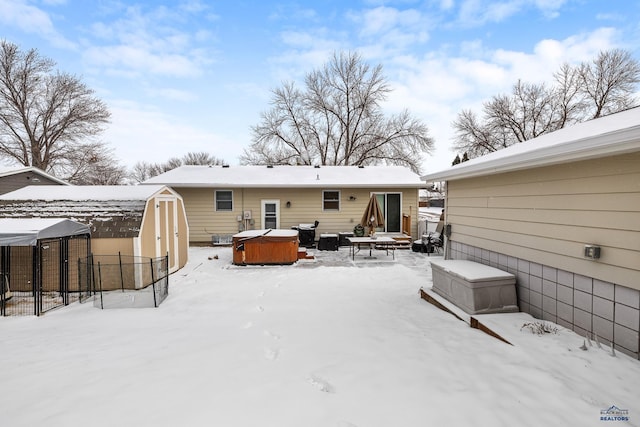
385	241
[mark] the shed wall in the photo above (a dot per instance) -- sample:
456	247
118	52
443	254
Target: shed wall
112	246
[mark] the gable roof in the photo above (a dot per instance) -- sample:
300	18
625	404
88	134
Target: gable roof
109	210
26	232
289	177
8	171
606	136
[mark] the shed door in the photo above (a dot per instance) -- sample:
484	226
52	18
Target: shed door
167	230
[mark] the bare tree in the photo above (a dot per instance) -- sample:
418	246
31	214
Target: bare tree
145	170
93	165
337	119
579	93
47	118
609	81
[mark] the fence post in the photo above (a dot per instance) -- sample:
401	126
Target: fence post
100	281
121	276
35	272
153	284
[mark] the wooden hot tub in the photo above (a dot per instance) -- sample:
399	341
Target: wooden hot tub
265	247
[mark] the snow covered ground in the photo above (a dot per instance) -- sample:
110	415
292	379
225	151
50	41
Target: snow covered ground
325	342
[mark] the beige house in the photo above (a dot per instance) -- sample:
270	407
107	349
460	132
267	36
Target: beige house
562	213
145	221
222	200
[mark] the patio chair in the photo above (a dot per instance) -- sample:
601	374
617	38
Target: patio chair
432	242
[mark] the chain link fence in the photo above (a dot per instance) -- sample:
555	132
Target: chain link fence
123	281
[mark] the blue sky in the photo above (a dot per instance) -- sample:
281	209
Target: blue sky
187	76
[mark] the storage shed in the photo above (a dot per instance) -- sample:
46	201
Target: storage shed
39	263
140	221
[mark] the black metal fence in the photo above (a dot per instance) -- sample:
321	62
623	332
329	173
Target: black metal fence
36	279
123	281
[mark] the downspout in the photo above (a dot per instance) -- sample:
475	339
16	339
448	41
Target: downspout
447	245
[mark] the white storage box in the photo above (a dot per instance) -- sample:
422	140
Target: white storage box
475	288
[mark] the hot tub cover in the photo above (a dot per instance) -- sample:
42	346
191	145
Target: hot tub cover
266	233
27	231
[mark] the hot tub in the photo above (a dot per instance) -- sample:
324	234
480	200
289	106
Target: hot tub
476	288
265	247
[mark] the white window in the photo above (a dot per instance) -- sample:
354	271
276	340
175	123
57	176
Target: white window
224	200
330	200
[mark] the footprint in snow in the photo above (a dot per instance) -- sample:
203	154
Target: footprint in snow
260	308
271	354
272	335
321	384
261	294
247	325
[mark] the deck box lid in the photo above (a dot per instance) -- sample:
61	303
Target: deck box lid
471	271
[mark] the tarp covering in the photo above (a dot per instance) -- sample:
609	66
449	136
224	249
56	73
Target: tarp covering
27	231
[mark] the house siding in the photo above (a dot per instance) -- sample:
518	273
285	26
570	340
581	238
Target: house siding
535	224
547	215
19	180
306	207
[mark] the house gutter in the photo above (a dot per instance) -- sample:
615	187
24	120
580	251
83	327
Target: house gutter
595	146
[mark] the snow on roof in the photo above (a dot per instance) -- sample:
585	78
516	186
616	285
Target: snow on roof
111	211
289	176
606	136
11	170
84	192
26	232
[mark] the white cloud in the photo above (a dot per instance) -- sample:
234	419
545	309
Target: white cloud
131	60
32	20
141	132
478	12
437	87
150	43
390	29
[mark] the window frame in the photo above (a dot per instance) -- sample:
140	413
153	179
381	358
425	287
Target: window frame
216	201
325	201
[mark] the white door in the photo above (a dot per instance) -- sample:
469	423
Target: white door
270	215
167	230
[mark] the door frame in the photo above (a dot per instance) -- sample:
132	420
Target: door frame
263	204
166	229
384	208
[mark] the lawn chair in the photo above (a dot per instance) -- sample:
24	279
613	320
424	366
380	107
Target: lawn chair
434	241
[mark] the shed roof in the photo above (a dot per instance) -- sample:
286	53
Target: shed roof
27	232
110	211
606	136
84	192
289	177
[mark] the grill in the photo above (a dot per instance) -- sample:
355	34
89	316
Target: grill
306	234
